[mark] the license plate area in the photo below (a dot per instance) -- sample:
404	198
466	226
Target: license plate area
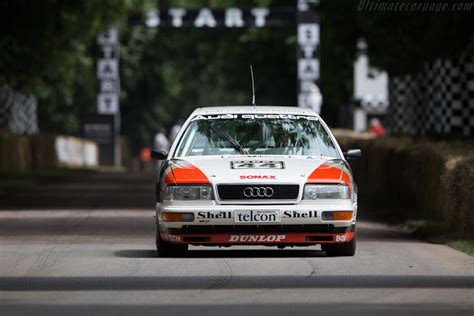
257	216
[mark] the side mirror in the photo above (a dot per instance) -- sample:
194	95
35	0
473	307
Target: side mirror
353	154
159	154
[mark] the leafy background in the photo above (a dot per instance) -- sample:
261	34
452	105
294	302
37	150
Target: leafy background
48	49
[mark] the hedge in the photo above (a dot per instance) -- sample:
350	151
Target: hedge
432	180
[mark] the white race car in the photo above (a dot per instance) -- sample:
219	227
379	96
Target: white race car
249	175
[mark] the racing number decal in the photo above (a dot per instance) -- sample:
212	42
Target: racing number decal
257	165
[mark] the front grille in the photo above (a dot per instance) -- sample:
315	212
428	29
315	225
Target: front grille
280	191
256	229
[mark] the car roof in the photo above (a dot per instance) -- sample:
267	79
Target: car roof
215	110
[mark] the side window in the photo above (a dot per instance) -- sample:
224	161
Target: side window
186	141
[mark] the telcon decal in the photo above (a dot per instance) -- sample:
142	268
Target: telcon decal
256	238
245	216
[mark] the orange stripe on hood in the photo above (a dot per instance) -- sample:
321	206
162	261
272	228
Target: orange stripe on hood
181	172
330	172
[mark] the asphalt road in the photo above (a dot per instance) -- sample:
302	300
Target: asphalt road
102	261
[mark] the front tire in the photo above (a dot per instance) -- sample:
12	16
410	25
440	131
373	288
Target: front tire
347	249
167	249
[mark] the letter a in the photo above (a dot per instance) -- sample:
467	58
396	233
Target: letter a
205	18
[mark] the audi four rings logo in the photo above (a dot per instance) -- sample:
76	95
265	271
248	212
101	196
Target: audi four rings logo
258	192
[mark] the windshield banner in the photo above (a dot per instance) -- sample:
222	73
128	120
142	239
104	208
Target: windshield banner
254	116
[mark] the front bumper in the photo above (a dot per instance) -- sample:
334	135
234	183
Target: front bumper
303	226
258	238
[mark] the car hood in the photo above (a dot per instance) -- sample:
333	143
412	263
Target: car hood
258	169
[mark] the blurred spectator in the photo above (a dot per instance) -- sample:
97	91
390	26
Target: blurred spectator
145	154
145	158
376	128
161	142
315	98
175	129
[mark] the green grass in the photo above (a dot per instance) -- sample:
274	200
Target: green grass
427	228
111	169
466	246
442	233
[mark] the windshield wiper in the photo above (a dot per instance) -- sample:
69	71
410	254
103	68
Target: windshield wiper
235	143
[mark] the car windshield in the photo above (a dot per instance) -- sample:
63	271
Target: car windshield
251	134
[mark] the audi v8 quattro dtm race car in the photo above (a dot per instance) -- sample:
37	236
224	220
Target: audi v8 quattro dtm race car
255	176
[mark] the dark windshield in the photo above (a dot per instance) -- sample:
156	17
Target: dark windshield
247	134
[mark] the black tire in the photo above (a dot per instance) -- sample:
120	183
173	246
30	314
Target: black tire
167	249
347	249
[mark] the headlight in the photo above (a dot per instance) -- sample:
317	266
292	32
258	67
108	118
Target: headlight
325	191
188	192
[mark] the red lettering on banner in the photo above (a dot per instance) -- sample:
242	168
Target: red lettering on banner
252	177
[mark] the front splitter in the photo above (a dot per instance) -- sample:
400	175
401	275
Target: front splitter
257	239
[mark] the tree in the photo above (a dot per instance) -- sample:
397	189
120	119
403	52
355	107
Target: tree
402	42
45	50
181	69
